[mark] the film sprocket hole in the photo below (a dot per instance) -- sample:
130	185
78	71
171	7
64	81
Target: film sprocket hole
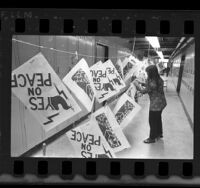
102	92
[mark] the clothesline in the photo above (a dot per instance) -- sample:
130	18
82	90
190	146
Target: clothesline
71	53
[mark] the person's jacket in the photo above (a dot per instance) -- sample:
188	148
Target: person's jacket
156	94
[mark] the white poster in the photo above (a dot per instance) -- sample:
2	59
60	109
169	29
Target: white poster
133	59
125	110
129	68
138	65
104	87
88	141
142	76
141	71
160	66
40	89
110	129
79	81
119	67
131	91
113	75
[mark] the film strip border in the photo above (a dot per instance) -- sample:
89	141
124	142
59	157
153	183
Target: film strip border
91	168
93	25
93	22
100	22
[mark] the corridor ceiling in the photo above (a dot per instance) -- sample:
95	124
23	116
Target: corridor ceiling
167	45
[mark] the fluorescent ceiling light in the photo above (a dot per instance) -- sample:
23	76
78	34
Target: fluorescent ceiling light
153	41
155	44
163	60
160	55
182	39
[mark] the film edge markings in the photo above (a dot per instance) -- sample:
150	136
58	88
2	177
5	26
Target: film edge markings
138	23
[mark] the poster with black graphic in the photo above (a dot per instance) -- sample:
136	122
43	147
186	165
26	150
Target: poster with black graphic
130	67
79	81
125	110
141	71
160	66
127	69
134	60
142	76
131	91
88	141
119	67
113	75
40	89
104	86
110	129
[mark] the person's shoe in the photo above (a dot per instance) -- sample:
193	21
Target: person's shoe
149	140
160	136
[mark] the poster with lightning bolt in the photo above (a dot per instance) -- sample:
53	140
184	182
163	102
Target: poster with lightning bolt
125	110
40	89
103	85
88	141
110	129
114	76
79	81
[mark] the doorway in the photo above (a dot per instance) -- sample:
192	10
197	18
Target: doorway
180	74
101	52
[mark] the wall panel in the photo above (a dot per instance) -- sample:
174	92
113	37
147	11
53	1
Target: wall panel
63	59
50	55
187	82
90	50
18	142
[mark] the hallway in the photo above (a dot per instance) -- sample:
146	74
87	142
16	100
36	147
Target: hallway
177	142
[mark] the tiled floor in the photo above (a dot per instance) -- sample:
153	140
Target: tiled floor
176	144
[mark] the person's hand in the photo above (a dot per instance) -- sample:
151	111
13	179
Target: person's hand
140	81
135	82
139	94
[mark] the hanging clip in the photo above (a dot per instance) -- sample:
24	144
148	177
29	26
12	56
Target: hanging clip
76	55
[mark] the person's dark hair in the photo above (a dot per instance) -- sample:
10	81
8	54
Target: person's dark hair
153	74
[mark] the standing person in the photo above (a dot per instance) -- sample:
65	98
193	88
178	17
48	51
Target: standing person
154	88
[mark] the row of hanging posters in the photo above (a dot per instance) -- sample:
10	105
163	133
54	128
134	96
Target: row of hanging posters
49	99
106	79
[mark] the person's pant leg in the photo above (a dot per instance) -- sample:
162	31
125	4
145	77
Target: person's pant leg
159	124
152	124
